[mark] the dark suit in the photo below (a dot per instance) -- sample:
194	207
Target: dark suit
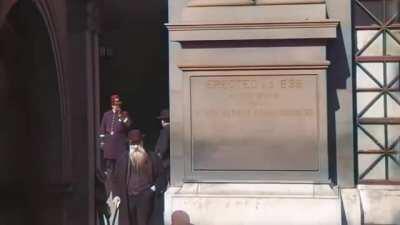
162	151
162	148
136	208
115	131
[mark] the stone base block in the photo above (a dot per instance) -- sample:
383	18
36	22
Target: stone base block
351	206
380	204
255	204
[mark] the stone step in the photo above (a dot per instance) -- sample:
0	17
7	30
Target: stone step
380	224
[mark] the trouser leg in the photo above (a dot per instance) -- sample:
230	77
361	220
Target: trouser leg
132	210
110	165
99	218
157	216
145	207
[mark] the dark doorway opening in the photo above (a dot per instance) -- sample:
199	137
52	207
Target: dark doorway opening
134	64
31	130
134	61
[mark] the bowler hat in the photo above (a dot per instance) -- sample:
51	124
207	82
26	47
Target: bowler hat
135	135
164	114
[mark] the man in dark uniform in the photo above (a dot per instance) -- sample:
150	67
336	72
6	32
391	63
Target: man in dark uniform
162	151
113	132
135	181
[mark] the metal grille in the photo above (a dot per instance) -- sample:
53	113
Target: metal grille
377	58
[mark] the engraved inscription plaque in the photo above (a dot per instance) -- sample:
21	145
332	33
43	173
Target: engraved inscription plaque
255	123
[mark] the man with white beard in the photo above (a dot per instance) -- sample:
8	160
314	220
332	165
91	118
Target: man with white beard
134	182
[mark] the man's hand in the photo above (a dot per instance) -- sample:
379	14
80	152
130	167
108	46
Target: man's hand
123	117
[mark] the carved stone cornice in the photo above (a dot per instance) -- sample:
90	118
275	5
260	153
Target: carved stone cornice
324	29
309	66
265	25
205	3
202	3
288	2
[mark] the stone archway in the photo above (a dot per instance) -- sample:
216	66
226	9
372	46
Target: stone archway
32	121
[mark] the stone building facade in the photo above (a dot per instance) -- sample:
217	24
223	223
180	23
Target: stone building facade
282	111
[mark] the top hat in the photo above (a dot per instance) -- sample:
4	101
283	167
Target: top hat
164	114
115	100
135	135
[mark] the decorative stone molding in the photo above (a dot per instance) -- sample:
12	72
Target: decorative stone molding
310	66
288	2
56	31
200	3
203	3
269	25
254	31
256	13
52	20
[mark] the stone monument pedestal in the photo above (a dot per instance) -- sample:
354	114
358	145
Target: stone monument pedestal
255	204
249	131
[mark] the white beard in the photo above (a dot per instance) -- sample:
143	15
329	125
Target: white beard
138	157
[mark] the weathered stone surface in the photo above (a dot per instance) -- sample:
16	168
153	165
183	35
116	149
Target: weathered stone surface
254	14
253	204
380	203
351	206
249	123
254	122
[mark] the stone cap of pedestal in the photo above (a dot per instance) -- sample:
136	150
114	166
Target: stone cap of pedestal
186	32
388	187
299	66
204	3
239	11
257	190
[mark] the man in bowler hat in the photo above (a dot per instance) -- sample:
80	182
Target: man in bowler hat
162	146
162	151
135	182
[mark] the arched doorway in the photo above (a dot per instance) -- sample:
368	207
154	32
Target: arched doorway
31	128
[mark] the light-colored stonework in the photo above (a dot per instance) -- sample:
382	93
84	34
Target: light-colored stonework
261	37
351	206
255	204
380	204
204	3
286	204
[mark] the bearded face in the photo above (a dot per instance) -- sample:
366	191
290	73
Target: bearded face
138	157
